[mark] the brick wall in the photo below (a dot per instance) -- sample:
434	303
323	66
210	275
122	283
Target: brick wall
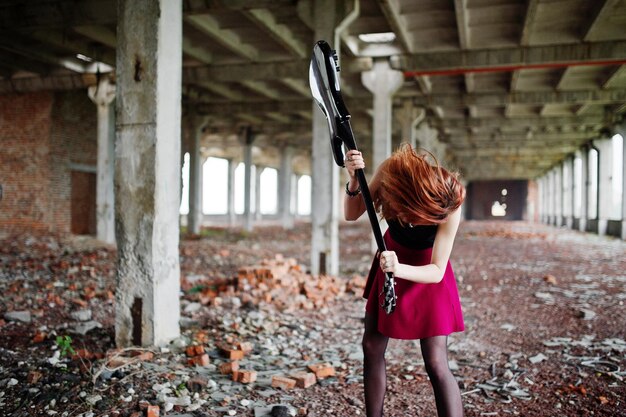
40	135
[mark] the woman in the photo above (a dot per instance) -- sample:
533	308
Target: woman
421	204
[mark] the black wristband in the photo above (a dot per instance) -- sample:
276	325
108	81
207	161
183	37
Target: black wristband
352	193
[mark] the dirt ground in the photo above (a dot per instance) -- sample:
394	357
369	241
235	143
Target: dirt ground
543	307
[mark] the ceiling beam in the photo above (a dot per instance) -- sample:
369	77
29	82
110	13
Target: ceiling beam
615	72
75	45
32	15
298	69
281	33
101	34
297	85
222	90
392	14
226	37
507	59
53	82
196	51
36	51
16	63
508	123
599	11
525	97
462	24
262	88
529	19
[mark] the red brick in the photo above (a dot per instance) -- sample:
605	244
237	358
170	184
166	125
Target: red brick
33	377
280	381
246	377
304	379
153	411
322	370
229	367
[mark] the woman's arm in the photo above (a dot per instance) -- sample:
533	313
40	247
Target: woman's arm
433	272
354	207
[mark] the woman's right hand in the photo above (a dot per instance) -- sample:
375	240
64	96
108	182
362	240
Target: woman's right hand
354	160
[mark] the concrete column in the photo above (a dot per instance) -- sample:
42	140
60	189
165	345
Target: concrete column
383	82
232	215
552	201
541	190
195	175
558	187
247	139
325	173
568	192
103	95
257	192
296	193
410	117
605	163
284	187
147	171
621	129
584	184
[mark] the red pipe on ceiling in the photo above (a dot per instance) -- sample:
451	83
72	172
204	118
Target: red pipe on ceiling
509	68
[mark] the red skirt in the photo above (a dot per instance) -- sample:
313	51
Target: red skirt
422	310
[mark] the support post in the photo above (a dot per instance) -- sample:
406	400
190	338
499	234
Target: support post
232	215
325	173
257	192
383	82
103	95
147	171
195	175
621	129
568	191
284	187
605	163
247	139
584	184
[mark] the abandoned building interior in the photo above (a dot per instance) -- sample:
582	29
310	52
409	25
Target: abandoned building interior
137	122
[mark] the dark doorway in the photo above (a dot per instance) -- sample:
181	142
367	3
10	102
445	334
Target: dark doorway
83	203
496	200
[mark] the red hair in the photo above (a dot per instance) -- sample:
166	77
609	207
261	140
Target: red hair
414	191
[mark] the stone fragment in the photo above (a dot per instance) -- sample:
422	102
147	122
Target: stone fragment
23	316
81	315
550	279
87	326
280	411
540	357
197	383
586	314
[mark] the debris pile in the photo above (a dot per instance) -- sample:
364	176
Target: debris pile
279	281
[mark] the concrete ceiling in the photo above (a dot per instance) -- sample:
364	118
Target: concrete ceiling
513	86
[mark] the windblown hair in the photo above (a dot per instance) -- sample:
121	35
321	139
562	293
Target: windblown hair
414	191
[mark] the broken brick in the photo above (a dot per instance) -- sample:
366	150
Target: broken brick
200	360
245	377
304	379
33	377
229	367
152	411
197	383
279	381
322	370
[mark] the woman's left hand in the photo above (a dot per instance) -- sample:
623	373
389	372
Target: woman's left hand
389	261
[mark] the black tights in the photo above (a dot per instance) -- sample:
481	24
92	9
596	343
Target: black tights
435	353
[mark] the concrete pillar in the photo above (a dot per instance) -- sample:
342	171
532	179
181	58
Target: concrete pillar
568	192
383	82
552	197
558	186
541	191
285	188
325	173
247	139
605	162
296	197
410	117
232	215
194	221
621	129
103	95
147	171
257	192
584	184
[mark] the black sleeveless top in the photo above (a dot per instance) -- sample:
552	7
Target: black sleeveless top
416	237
